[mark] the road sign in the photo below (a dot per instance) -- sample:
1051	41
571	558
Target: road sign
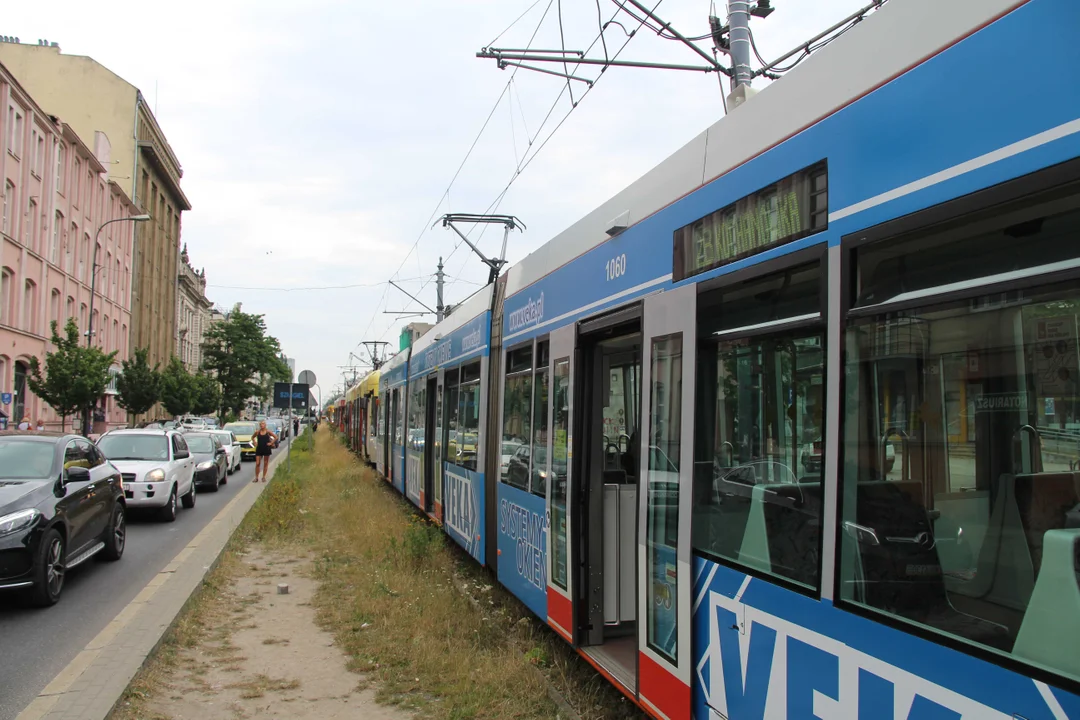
5	398
300	393
307	378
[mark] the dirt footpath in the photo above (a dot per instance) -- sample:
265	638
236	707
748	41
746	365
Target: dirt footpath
263	656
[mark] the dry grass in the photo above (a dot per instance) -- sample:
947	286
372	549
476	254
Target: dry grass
390	591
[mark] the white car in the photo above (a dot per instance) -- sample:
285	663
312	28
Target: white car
508	450
156	466
193	423
232	448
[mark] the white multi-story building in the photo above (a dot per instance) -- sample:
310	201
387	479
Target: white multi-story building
193	313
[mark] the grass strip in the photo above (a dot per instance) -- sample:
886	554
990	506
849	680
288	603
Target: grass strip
389	585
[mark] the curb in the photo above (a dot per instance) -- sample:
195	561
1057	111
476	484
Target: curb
91	685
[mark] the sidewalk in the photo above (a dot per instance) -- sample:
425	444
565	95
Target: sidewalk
92	683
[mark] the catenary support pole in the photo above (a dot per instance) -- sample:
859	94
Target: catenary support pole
439	278
739	34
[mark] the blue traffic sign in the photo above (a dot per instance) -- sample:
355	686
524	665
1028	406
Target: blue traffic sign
5	398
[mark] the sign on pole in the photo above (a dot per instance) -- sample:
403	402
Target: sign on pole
297	392
5	398
307	378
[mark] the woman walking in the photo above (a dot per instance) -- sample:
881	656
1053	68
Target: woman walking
265	440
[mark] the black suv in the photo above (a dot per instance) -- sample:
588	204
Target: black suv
61	503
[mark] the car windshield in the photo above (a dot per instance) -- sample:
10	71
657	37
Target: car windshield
200	444
224	437
241	428
134	447
25	459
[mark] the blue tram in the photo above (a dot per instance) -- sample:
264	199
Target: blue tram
782	429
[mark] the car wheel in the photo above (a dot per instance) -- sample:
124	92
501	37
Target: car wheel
49	569
168	513
115	534
189	499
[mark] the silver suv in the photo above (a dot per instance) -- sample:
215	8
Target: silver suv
156	466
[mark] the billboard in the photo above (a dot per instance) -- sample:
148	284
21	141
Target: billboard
300	395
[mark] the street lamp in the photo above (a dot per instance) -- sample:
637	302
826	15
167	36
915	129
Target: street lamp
93	290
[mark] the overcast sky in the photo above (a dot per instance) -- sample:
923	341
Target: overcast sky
318	137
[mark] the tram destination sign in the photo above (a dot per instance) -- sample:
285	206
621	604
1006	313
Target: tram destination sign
787	210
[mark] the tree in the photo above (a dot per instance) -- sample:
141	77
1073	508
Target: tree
75	376
206	397
177	388
238	349
139	385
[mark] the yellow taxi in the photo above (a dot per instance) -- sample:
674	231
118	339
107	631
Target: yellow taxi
244	432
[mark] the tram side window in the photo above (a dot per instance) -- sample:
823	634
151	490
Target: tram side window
758	439
469	415
560	442
450	439
539	476
960	502
415	439
517	418
399	413
665	429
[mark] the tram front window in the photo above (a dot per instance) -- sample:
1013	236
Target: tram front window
960	486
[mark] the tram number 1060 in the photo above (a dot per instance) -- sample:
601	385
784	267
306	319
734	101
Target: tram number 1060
615	267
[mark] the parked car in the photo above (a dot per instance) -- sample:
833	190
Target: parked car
192	423
508	450
244	432
231	443
61	503
156	466
211	459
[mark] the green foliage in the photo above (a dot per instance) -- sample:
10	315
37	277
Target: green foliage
206	396
75	376
139	385
177	388
237	350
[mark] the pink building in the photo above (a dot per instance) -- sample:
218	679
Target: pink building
56	195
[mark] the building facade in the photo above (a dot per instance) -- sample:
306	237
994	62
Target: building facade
92	98
57	195
193	314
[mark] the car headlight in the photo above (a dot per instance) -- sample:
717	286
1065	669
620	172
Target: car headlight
157	475
205	465
15	521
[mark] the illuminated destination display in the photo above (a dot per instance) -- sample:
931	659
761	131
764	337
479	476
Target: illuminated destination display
787	210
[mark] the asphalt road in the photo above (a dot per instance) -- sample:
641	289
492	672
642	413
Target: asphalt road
36	644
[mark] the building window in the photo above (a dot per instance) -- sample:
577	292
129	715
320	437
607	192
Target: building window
54	306
15	123
20	393
84	250
29	308
72	249
61	152
76	181
7	302
39	157
9	208
116	279
31	223
70	312
54	248
82	316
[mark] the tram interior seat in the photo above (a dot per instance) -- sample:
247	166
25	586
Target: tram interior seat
782	530
898	569
1050	633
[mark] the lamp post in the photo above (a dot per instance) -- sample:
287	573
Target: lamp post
93	290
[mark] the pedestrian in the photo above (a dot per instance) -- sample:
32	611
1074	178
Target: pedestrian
296	427
265	440
25	424
40	426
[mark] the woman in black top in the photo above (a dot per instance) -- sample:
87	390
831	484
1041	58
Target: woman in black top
265	441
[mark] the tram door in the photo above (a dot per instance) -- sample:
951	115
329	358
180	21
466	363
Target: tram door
664	502
608	451
432	461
